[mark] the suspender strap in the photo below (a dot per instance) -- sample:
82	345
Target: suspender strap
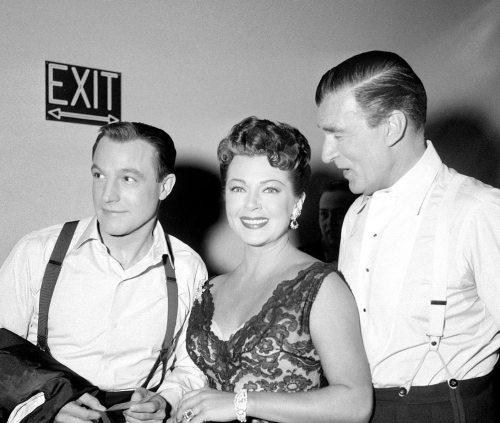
168	342
49	282
441	263
50	278
441	248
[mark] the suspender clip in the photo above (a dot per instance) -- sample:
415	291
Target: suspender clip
402	391
434	342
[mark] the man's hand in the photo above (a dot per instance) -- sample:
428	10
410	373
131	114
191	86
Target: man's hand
147	410
84	409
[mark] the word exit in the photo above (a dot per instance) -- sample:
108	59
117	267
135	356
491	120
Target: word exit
82	95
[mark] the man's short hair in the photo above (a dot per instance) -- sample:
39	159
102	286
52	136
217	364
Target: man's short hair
159	139
337	185
381	82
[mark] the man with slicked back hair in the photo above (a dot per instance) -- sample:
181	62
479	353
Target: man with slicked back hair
420	247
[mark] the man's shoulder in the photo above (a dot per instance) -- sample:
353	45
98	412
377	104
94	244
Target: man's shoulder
183	252
474	200
50	233
34	249
190	269
473	192
39	241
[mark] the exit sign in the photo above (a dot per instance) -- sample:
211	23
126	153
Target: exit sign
82	95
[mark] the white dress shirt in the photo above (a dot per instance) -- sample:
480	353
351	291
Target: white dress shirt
106	323
386	256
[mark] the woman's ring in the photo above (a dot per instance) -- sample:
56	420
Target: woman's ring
188	414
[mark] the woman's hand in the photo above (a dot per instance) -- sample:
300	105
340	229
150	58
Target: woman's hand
153	410
206	405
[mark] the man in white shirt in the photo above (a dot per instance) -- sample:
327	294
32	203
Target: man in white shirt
420	247
108	314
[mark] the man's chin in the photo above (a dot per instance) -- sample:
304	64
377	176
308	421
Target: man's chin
110	230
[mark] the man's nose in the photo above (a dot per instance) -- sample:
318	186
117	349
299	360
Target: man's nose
110	192
329	151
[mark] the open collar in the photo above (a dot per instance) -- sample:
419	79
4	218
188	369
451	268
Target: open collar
159	249
412	188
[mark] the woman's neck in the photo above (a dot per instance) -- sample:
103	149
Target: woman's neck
265	259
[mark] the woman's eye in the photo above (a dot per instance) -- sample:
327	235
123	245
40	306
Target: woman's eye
271	190
96	175
236	189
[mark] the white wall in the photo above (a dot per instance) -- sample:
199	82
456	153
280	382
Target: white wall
194	68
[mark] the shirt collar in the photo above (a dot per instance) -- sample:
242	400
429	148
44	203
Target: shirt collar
412	188
90	233
160	245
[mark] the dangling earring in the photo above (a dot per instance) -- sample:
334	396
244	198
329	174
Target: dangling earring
293	219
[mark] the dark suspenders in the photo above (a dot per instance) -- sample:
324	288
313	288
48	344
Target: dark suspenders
49	282
168	342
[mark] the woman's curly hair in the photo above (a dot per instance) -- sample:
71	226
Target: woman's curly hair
285	147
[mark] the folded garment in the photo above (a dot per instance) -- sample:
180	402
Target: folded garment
26	372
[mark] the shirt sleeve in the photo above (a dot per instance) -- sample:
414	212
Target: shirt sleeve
18	285
483	252
185	376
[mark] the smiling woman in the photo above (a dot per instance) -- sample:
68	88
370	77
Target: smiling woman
259	200
281	322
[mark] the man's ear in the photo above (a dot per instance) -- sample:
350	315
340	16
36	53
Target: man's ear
167	184
396	124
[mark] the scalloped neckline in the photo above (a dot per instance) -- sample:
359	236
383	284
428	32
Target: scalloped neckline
265	305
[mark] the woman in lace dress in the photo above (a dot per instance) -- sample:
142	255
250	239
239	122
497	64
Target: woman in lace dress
278	338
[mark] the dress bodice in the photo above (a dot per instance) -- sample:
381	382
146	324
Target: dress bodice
273	351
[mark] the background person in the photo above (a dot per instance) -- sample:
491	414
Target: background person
280	330
419	248
334	201
108	314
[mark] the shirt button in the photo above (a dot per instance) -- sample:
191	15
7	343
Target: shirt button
367	269
374	235
364	310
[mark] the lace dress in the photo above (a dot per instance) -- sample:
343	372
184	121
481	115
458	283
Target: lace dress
273	350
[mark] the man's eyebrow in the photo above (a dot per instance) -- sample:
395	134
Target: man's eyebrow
330	128
131	170
124	170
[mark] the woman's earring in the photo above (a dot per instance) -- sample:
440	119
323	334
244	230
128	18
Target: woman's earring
293	219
